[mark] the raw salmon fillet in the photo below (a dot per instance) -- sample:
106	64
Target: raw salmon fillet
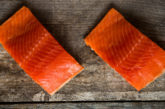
37	52
138	59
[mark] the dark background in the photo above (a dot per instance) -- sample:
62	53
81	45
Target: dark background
98	86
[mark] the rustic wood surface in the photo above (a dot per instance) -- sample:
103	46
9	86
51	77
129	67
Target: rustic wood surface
94	105
69	21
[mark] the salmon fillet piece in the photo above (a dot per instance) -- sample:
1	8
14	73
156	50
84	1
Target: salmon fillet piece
138	59
37	52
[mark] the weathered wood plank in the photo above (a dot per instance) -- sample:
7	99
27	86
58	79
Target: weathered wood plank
94	105
69	22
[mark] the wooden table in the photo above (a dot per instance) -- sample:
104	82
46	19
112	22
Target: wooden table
98	86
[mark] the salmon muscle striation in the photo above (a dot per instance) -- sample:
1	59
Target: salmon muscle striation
138	59
37	52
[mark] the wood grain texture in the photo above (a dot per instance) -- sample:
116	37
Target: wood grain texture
69	21
94	105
